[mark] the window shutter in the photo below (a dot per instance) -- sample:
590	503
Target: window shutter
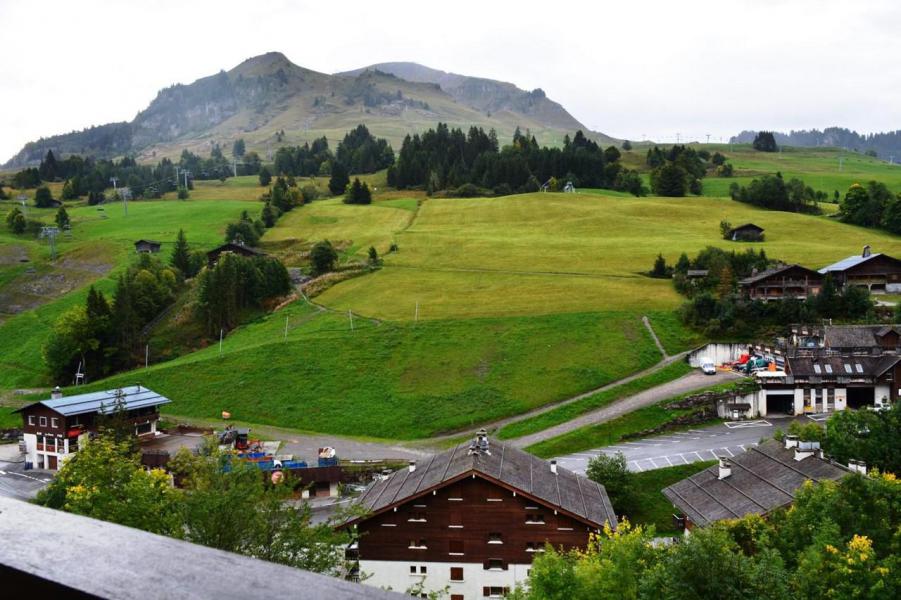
486	591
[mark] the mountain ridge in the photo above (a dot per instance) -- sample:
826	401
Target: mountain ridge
268	101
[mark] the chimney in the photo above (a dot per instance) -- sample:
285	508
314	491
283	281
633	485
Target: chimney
412	465
857	466
482	441
56	394
866	251
725	468
802	453
791	441
554	467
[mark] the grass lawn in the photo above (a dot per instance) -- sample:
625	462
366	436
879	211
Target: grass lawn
402	381
8	420
570	411
547	253
651	506
358	227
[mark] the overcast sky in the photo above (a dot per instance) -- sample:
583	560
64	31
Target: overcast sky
630	69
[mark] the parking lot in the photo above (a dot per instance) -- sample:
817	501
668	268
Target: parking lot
15	481
684	447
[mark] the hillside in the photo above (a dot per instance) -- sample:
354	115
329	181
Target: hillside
885	145
268	94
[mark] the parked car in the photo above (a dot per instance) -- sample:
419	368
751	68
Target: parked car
707	366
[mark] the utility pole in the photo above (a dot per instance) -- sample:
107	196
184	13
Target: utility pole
708	138
50	233
678	137
23	200
235	166
416	314
221	331
286	328
186	172
350	314
146	355
176	175
841	159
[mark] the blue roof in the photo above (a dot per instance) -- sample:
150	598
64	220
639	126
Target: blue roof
133	397
847	263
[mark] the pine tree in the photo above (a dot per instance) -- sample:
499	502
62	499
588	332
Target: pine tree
339	180
181	254
238	148
125	319
265	177
62	218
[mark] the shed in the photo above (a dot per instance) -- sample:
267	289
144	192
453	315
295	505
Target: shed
747	232
147	246
235	247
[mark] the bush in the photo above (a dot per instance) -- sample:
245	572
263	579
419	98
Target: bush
182	193
309	193
323	257
611	472
467	190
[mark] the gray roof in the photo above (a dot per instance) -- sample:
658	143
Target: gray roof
847	263
764	478
528	475
834	366
854	336
134	397
746	226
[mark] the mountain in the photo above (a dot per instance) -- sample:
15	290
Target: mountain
886	145
268	94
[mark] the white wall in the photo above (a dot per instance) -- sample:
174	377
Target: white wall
396	575
718	353
31	448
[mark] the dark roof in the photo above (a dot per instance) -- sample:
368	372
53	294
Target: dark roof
854	336
103	402
148	242
235	247
506	465
746	226
764	478
869	366
777	271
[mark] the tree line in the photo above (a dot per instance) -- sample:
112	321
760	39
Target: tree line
447	159
774	193
358	152
872	205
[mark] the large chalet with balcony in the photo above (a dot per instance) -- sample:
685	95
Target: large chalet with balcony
54	429
471	519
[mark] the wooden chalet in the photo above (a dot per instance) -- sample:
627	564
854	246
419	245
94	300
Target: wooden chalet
764	478
55	428
236	247
748	232
147	246
472	518
788	281
879	273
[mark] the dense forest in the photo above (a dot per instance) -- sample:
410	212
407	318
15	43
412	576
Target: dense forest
774	193
447	159
358	152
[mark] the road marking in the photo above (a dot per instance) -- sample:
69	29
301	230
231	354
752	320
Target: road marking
668	461
652	462
742	446
713	454
684	460
729	451
637	466
698	455
747	424
637	444
678	433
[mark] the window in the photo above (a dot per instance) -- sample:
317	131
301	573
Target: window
43	421
817	370
534	547
455	547
54	422
848	368
456	597
417	545
858	368
828	368
534	519
412	569
456	573
495	538
31	419
423	569
455	522
495	564
495	592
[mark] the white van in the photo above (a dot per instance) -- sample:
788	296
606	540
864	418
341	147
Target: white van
707	366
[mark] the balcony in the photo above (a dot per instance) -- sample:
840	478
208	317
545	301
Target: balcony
103	560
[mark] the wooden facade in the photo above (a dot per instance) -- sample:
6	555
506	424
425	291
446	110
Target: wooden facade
791	281
879	273
147	246
472	520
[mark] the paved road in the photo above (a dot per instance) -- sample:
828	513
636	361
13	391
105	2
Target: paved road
684	447
16	482
694	381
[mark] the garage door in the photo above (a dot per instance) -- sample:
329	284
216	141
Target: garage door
780	404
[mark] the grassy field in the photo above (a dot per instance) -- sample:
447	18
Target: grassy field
570	411
550	253
651	507
397	380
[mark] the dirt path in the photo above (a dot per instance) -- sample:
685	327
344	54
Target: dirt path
647	323
685	384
